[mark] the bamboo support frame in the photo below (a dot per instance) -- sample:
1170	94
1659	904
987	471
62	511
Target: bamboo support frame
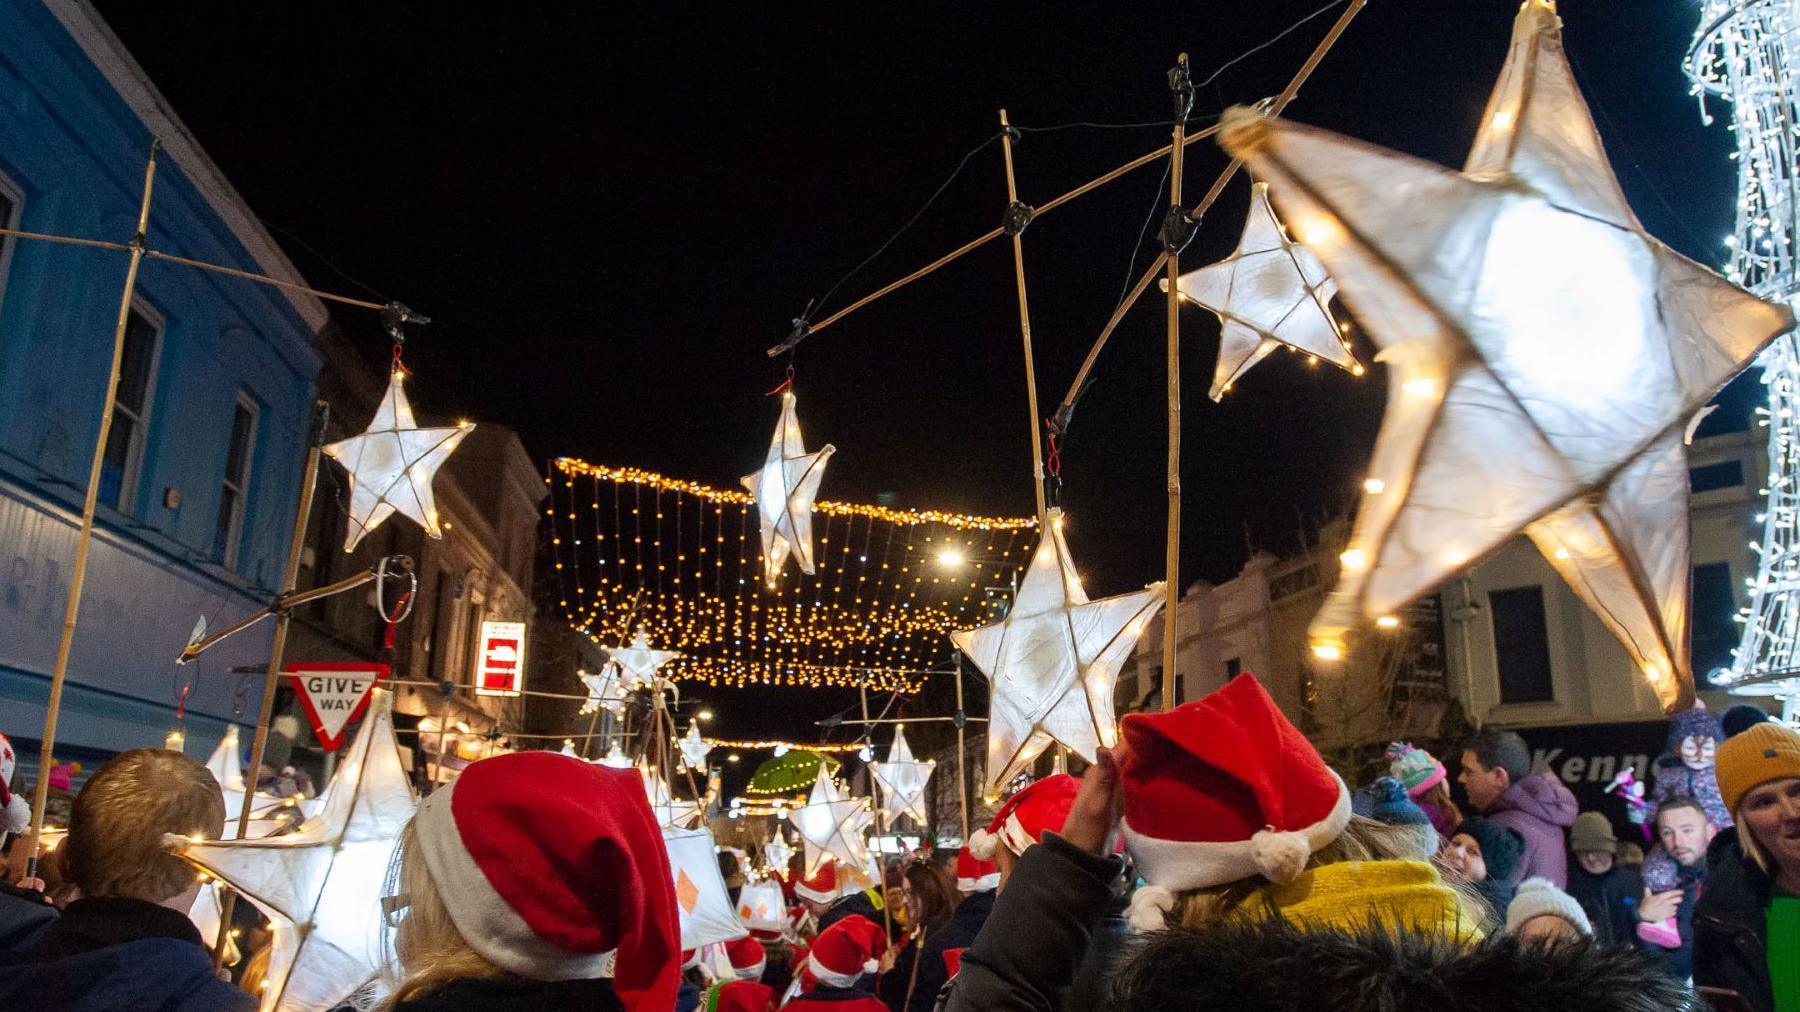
1172	548
59	674
1018	249
1199	210
282	603
962	754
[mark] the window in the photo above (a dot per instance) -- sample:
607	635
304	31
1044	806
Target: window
1715	631
131	411
1233	668
1522	645
229	529
1712	477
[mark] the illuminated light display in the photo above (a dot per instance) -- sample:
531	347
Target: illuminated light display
391	465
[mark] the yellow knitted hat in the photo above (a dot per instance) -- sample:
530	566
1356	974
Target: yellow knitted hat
1354	894
1767	751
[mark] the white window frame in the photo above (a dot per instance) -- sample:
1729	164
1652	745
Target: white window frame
15	193
134	454
232	539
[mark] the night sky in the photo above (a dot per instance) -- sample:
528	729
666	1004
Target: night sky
609	216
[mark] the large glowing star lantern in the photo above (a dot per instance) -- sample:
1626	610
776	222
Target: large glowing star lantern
392	463
1544	355
784	490
701	899
1271	292
1053	661
638	663
902	779
321	887
694	749
832	825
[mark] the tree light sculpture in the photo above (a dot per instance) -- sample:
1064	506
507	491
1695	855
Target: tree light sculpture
1545	355
1746	53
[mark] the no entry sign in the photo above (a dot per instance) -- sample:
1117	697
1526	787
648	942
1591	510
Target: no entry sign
334	693
500	669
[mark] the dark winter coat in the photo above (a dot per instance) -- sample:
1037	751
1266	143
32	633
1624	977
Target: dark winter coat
1251	966
107	953
24	915
517	994
1679	963
1540	808
1610	901
862	903
959	933
825	998
1041	929
1731	934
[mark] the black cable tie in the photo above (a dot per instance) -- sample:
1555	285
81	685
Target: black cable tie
960	720
1018	216
799	329
1181	86
1177	230
1012	133
396	313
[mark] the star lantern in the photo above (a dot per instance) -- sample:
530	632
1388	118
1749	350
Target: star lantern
902	780
672	812
701	899
392	463
1544	352
832	824
616	758
784	490
1269	293
694	749
638	663
1053	661
226	764
603	688
777	854
321	886
271	814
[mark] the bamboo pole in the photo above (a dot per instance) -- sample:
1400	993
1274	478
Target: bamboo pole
1172	261
962	754
59	674
277	650
881	868
1017	230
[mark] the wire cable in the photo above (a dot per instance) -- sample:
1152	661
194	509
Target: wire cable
1284	33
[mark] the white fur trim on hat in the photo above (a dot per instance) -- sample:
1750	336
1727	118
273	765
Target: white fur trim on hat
804	892
983	845
1539	896
17	815
491	927
828	976
985	883
1196	864
1149	908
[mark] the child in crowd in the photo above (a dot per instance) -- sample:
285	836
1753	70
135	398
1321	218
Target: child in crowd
1541	914
842	964
1684	770
1484	854
744	991
1424	777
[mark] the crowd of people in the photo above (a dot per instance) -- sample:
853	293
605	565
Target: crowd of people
1212	860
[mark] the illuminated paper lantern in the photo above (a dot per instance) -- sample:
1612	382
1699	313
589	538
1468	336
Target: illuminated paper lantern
902	779
321	887
1053	661
1269	293
637	663
694	749
392	463
226	764
832	824
700	895
762	907
784	490
1544	356
672	812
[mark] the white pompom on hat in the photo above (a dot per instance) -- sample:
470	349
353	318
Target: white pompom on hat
15	814
1226	788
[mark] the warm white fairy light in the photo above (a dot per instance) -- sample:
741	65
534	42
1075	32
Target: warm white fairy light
1743	54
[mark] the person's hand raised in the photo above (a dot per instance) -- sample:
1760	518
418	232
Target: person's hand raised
1098	805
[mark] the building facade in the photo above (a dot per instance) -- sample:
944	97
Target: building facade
209	421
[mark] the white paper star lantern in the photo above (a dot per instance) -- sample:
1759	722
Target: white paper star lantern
701	899
672	812
616	758
784	491
832	824
1544	355
1270	292
603	688
694	749
777	853
902	780
321	886
1053	661
638	663
226	762
392	463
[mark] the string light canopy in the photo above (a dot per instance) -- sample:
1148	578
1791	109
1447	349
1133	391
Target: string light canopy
634	549
1545	355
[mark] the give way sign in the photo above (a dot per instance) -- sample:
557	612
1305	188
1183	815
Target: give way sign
334	693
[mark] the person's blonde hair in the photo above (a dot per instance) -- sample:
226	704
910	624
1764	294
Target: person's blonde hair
1362	840
116	826
1439	795
427	949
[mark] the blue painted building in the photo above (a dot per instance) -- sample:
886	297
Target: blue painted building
203	464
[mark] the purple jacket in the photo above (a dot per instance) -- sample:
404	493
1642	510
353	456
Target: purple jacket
1539	807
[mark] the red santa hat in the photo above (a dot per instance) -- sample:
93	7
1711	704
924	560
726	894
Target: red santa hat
548	865
822	887
15	814
953	960
1041	806
1223	789
748	958
974	875
847	950
740	996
